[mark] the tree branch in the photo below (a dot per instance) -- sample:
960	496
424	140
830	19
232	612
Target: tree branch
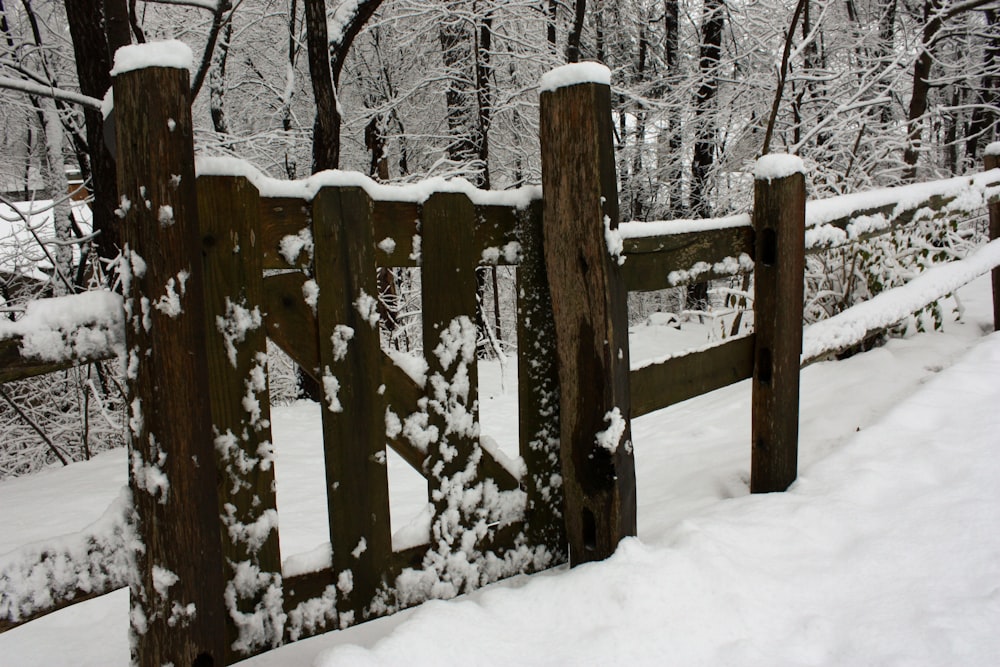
782	74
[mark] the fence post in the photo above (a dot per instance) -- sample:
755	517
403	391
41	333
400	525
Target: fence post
991	158
589	307
779	264
177	611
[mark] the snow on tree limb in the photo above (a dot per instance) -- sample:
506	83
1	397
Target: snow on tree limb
49	91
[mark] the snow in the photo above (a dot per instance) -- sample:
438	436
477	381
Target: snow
969	193
21	222
777	165
636	230
611	437
884	552
171	53
852	325
87	325
573	74
992	149
904	197
416	193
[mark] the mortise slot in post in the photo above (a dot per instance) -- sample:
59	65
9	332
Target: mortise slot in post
764	365
589	530
768	246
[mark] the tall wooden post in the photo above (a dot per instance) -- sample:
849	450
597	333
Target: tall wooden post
991	158
177	598
589	308
779	223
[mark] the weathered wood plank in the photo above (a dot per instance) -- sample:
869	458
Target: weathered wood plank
400	223
591	323
178	614
281	217
448	288
677	379
779	219
538	391
397	221
651	260
353	416
290	322
229	215
13	366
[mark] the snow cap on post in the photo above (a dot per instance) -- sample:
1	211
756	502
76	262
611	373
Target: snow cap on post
574	73
992	149
777	165
170	53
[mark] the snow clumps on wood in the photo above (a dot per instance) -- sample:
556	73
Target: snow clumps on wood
573	74
777	165
171	53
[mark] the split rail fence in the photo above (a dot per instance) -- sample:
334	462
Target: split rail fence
215	264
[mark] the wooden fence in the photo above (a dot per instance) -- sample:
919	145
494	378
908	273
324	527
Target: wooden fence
215	264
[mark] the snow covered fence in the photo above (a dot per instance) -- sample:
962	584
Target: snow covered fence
61	332
207	581
207	578
666	254
46	576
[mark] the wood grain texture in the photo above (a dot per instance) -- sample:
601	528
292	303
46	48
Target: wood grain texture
228	211
661	385
14	366
538	391
353	413
779	221
495	227
448	289
591	323
650	260
172	473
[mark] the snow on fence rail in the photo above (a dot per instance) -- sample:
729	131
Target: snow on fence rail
202	558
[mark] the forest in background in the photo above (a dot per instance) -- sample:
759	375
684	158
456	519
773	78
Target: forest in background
870	93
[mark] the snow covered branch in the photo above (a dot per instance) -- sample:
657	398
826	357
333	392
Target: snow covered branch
49	91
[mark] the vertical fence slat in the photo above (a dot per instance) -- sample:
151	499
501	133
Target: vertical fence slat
538	390
779	223
353	420
448	290
177	605
591	321
228	212
992	161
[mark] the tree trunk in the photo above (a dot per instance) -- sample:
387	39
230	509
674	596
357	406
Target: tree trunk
704	146
984	116
326	127
93	51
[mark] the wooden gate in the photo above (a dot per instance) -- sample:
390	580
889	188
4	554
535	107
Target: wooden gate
298	264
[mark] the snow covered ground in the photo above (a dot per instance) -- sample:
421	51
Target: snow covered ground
885	552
